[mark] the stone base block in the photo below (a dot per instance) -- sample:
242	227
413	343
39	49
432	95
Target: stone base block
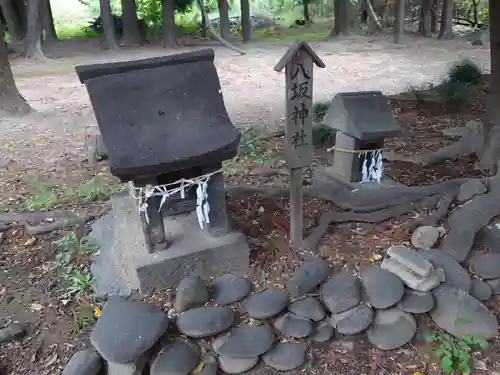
323	175
124	266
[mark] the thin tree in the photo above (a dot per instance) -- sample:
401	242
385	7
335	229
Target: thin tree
49	28
108	25
399	22
246	23
446	29
224	24
33	40
169	29
11	101
131	31
14	22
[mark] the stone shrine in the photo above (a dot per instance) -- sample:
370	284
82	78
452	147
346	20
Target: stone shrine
362	121
167	132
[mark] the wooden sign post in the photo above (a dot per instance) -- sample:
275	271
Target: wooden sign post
298	62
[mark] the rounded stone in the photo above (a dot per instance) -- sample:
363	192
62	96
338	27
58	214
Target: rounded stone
308	307
237	365
460	314
205	321
391	329
353	321
209	365
245	342
341	292
322	332
383	289
265	304
455	275
192	291
425	237
229	288
486	265
480	290
176	358
286	356
494	284
84	362
308	276
416	302
291	325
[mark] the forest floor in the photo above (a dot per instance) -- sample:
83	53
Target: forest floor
41	164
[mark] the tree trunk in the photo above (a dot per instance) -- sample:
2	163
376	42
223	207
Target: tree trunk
368	11
446	29
491	130
434	16
425	18
22	14
204	26
399	22
48	23
33	40
108	25
16	32
341	18
246	23
305	6
224	24
11	101
131	31
169	32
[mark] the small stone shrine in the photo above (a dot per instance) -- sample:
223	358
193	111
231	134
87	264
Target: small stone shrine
167	132
362	121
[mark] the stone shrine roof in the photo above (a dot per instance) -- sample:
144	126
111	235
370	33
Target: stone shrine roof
363	115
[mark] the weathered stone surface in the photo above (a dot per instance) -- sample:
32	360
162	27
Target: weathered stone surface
416	302
341	292
425	237
411	259
266	304
178	357
228	289
353	321
410	278
192	291
308	307
84	362
469	189
12	332
308	276
145	324
494	285
486	265
237	366
210	365
129	368
291	325
461	314
383	289
285	356
490	237
205	321
480	290
391	329
245	342
456	276
322	332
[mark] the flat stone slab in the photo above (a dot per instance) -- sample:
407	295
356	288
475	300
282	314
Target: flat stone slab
383	289
391	329
308	276
245	342
84	362
459	314
353	321
486	265
410	278
205	321
341	292
308	307
265	304
480	290
286	356
322	332
192	291
291	325
425	237
229	288
178	357
411	259
145	325
456	276
237	365
416	302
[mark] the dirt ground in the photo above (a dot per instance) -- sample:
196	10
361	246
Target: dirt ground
49	147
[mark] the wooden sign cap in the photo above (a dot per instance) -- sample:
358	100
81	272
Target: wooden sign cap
292	51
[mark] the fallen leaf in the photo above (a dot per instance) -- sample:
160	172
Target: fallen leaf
51	361
199	367
36	307
30	242
419	373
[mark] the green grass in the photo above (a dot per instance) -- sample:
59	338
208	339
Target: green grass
68	31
